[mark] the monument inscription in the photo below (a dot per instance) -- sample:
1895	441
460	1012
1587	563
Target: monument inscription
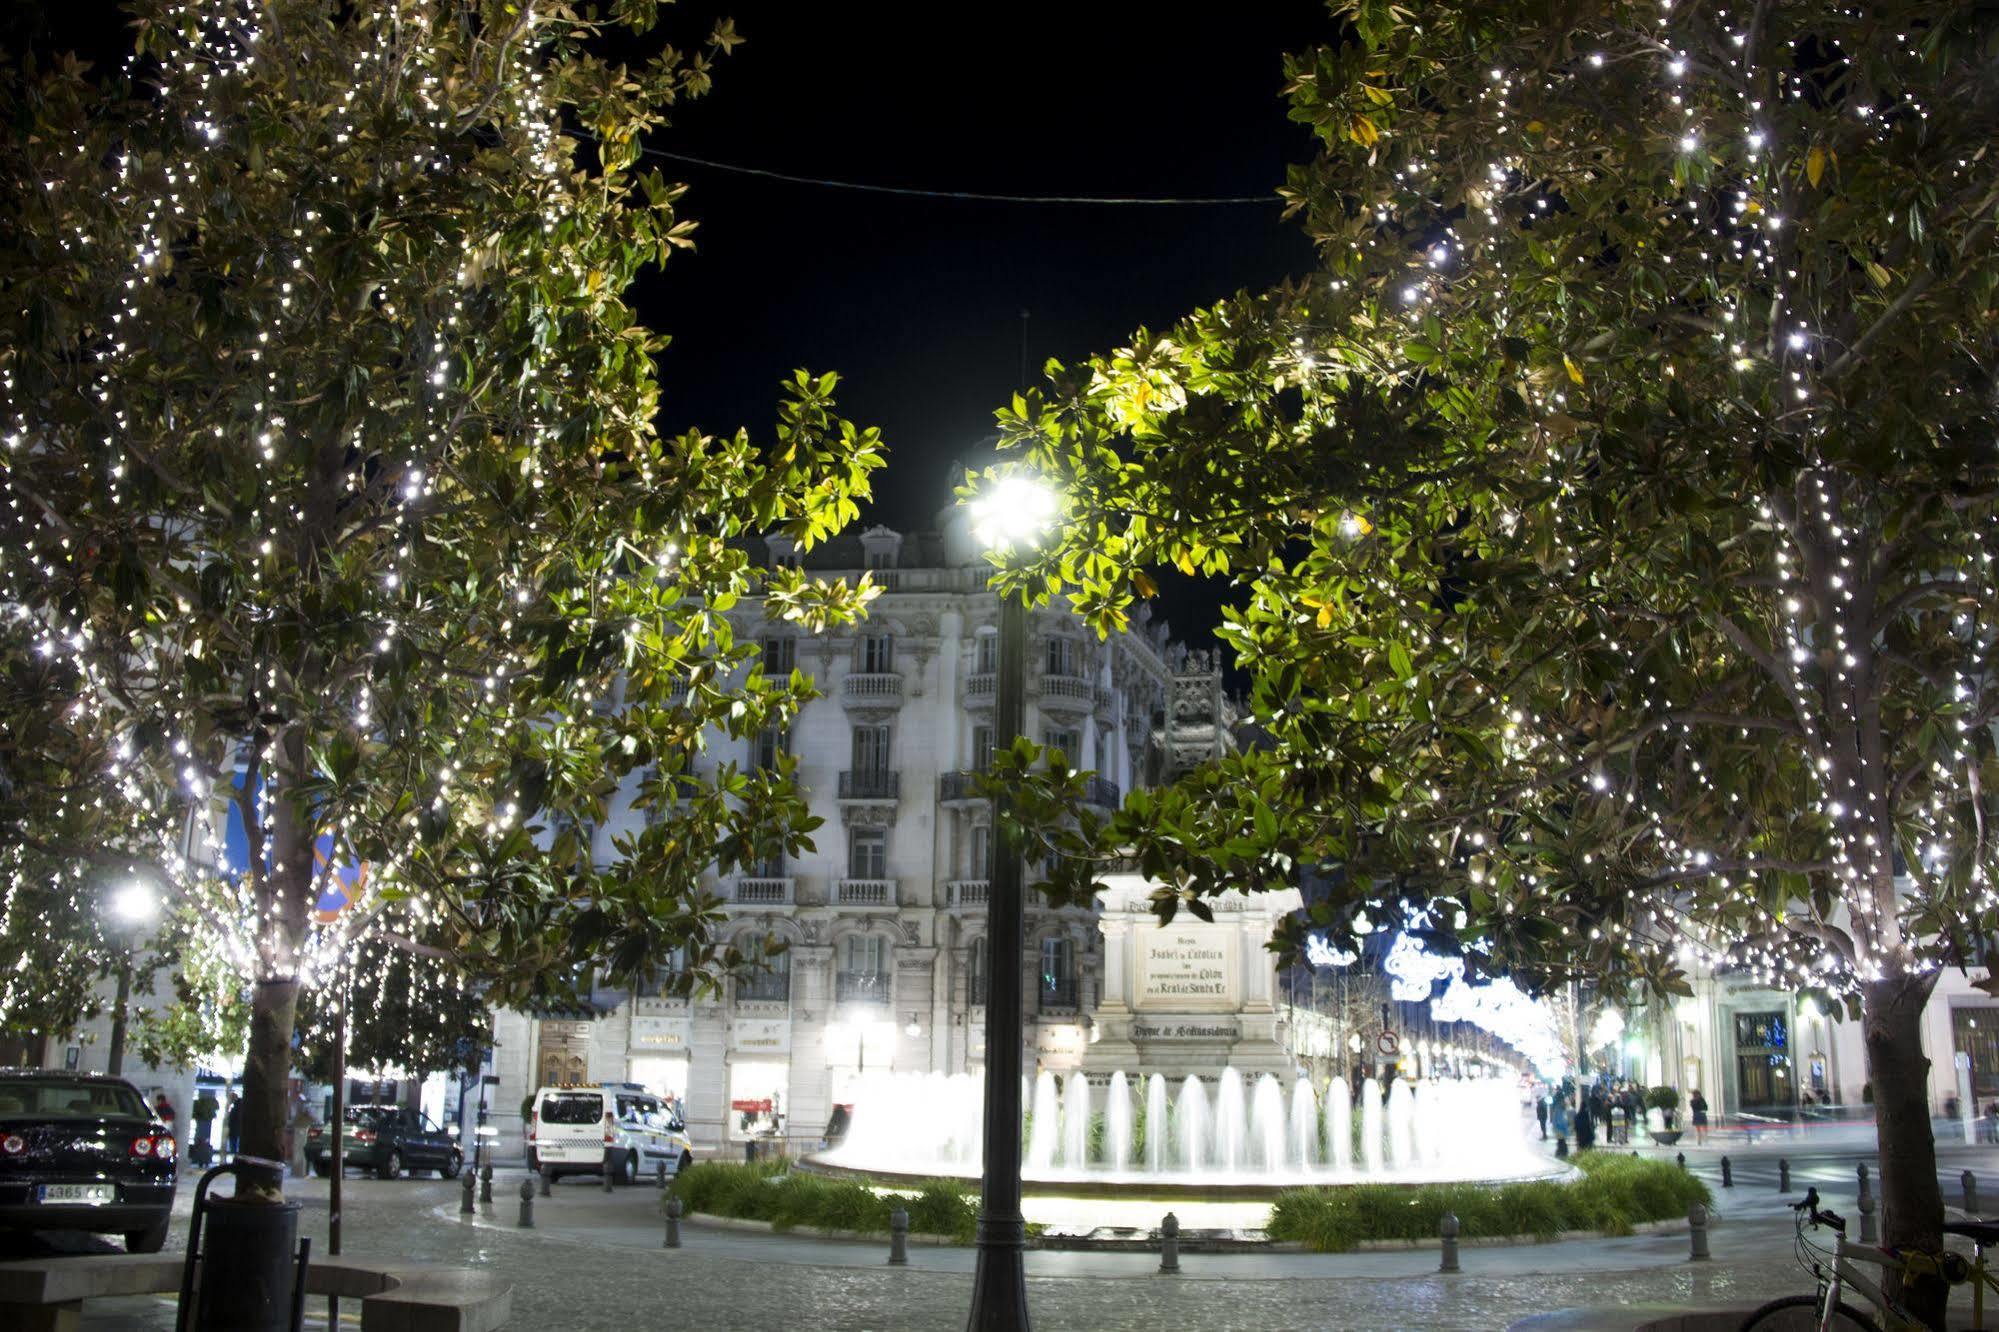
1188	968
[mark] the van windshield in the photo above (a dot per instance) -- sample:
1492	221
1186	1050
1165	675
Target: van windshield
572	1108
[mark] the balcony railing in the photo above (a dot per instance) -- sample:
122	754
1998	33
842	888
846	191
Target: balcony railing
755	891
1104	793
872	689
869	784
979	688
1058	992
764	987
861	987
959	786
864	892
965	893
1068	691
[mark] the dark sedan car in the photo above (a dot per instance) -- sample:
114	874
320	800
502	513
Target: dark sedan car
387	1139
79	1151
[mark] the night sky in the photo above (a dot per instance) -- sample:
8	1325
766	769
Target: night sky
917	302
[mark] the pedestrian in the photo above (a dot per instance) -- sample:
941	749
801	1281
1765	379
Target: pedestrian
163	1110
232	1127
1541	1113
1585	1126
1561	1117
1697	1106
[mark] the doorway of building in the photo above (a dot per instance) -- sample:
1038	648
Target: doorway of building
1764	1079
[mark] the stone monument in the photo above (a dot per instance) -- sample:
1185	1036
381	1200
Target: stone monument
1190	997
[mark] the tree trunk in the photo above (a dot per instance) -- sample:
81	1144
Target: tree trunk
1891	1011
266	1073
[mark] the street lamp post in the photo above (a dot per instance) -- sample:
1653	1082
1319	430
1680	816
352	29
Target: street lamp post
133	907
1014	513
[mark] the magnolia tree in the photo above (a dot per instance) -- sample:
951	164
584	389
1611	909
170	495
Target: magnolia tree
330	472
1611	513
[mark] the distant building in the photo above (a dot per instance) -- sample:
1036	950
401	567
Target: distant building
885	920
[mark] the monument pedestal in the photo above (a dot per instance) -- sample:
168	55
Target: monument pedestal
1193	997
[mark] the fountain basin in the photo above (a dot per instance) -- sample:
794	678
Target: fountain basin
1137	1185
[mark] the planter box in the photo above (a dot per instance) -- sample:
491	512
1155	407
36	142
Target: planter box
1668	1137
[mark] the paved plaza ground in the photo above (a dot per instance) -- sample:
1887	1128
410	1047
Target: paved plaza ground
595	1261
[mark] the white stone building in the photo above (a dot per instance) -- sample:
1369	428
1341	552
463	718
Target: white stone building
885	919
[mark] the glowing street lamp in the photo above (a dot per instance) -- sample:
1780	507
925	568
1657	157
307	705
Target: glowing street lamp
1012	514
132	906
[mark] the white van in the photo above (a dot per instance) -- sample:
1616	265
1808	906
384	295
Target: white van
575	1130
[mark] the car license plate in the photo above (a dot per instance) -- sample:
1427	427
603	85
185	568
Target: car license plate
79	1193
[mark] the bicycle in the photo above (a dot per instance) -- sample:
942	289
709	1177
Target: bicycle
1837	1269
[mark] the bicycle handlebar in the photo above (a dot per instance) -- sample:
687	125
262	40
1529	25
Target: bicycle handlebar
1808	1209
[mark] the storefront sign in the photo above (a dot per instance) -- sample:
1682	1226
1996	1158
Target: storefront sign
1188	968
662	1033
1185	1031
1065	1038
761	1035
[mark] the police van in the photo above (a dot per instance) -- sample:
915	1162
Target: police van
582	1130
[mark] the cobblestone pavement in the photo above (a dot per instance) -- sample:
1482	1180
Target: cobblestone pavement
594	1262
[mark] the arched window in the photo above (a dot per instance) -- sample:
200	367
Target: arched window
975	975
769	980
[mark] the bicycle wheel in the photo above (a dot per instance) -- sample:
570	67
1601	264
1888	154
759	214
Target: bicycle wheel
1800	1313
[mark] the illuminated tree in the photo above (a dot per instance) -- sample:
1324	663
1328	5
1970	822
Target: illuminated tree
330	470
1611	513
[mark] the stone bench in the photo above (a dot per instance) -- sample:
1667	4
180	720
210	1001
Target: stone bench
47	1294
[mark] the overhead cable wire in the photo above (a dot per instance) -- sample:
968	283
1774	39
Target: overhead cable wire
976	196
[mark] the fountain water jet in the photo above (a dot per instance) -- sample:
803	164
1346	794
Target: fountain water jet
1155	1123
1304	1125
1076	1123
1042	1133
1191	1109
1266	1122
1231	1130
1117	1123
1370	1126
1401	1125
1339	1125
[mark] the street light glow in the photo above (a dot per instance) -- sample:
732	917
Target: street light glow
1017	510
135	903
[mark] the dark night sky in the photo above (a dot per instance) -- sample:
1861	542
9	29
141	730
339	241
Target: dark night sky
916	302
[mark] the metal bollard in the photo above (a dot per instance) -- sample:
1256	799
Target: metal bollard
1169	1244
527	1204
672	1223
1447	1232
1970	1182
1783	1175
1697	1233
486	1182
1727	1174
547	1181
1681	1157
466	1184
659	1180
1868	1233
898	1238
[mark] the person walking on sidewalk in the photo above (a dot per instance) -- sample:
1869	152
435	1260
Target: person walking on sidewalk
1697	1107
1561	1118
232	1127
1541	1113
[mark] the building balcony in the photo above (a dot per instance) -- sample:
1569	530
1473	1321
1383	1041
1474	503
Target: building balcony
980	689
967	894
872	691
747	890
861	987
1068	693
869	784
1103	793
960	788
864	892
764	987
1058	994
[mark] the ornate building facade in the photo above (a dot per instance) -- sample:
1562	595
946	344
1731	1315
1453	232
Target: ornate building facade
885	920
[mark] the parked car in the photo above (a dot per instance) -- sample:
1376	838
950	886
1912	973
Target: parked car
81	1151
578	1130
387	1139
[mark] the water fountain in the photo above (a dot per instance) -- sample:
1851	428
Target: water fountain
1210	1137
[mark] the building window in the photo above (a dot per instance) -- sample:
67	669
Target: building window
866	954
780	655
771	741
1058	973
986	655
1069	742
660	980
1763	1061
1061	656
982	748
877	654
867	853
770	978
1977	1032
979	861
863	976
975	975
881	558
871	750
771	867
